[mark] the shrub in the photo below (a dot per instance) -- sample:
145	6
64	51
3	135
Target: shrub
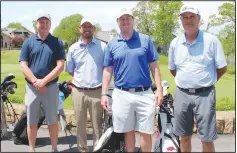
225	104
231	69
16	99
17	41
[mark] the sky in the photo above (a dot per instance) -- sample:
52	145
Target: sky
102	12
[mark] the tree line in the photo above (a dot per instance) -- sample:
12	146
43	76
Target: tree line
159	20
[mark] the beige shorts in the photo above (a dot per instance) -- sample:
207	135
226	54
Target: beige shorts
133	111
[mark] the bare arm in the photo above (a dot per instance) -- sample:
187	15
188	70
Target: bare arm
55	72
220	72
27	72
107	74
173	72
156	75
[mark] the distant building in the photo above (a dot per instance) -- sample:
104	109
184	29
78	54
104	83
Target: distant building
105	36
7	34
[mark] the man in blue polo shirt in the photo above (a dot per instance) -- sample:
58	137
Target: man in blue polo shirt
131	56
197	61
41	61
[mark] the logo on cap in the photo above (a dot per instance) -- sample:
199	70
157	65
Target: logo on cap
185	8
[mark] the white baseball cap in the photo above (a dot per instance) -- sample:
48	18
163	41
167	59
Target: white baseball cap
189	8
123	12
84	20
45	15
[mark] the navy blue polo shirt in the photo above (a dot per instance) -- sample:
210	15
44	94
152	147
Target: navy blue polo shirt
130	60
42	55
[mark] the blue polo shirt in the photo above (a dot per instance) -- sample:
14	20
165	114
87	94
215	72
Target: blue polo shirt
196	63
42	55
130	60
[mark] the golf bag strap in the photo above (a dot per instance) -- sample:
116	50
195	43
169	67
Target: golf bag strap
176	145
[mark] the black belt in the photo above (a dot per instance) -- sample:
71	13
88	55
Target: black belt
85	88
138	89
198	90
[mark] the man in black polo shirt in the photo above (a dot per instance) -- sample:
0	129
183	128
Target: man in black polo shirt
41	62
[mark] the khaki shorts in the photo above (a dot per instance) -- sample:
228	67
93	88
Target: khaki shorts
36	103
133	111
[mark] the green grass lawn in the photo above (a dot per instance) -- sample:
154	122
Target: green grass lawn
225	87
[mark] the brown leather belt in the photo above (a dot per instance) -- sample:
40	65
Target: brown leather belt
85	88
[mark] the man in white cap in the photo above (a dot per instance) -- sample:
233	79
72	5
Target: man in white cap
197	61
41	61
85	65
130	57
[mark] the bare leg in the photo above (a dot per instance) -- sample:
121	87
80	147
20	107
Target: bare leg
146	142
32	133
208	147
185	143
53	132
130	141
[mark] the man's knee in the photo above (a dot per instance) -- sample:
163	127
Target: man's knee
208	144
145	135
186	138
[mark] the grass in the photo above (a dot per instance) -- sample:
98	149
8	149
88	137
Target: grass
225	87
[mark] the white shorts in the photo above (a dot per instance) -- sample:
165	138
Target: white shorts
133	111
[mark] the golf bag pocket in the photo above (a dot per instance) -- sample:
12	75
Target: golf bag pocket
166	140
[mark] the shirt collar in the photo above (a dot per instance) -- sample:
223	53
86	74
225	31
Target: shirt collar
80	43
199	37
134	36
47	38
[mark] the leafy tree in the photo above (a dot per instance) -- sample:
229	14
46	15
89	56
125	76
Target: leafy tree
34	26
166	20
158	19
98	27
226	18
114	31
142	14
15	25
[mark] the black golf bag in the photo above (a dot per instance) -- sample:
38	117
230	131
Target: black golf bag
7	86
110	141
19	133
166	140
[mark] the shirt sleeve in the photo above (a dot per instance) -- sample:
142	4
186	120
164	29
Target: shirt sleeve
108	58
220	60
152	52
24	55
70	65
171	64
61	53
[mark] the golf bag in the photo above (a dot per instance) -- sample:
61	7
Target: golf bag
7	86
110	141
166	140
19	133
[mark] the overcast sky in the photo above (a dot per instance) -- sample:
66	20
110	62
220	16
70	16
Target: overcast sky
101	12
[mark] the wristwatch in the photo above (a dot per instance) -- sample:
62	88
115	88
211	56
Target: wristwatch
106	94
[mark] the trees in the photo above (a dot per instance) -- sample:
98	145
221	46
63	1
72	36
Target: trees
114	31
34	26
158	19
15	25
226	19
